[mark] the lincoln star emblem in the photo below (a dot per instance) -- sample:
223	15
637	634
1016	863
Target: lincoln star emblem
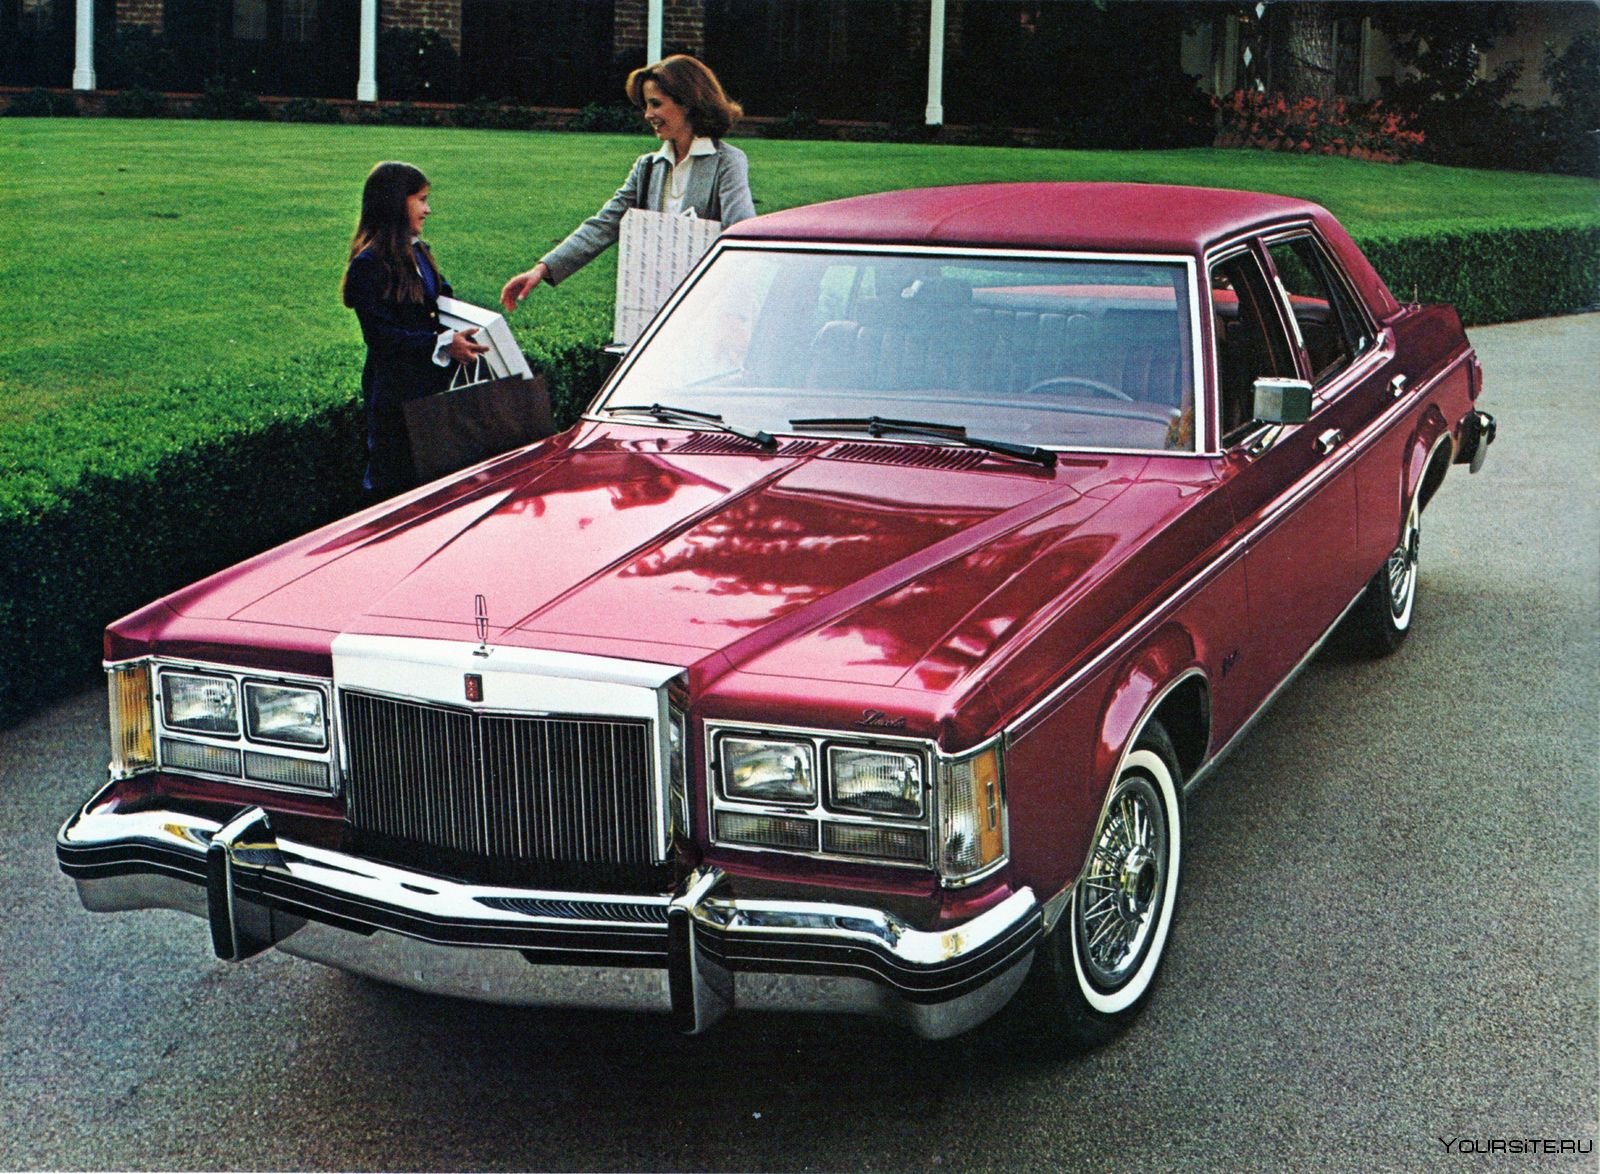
480	614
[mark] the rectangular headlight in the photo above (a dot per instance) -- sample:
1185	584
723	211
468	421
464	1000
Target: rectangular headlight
133	719
768	771
200	703
972	824
875	782
285	715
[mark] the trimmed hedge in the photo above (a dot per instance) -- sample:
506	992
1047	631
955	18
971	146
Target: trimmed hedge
104	512
1494	272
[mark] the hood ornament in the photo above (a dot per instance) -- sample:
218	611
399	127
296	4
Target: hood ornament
480	613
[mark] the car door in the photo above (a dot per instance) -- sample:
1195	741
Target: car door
1352	374
1293	499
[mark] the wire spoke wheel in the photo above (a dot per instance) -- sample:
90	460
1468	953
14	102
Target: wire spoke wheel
1401	570
1124	886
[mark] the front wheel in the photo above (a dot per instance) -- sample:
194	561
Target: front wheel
1099	962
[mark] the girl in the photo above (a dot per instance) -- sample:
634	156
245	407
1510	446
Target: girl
394	287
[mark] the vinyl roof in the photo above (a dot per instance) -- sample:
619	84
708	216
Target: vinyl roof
1115	217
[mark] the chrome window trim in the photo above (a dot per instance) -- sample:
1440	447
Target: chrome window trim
1308	229
1236	549
1202	440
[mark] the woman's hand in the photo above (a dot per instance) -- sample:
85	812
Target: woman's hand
521	285
464	347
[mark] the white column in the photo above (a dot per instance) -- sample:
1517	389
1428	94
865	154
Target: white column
935	116
83	67
367	77
655	17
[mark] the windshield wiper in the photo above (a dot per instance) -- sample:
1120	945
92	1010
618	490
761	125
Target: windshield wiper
690	416
880	426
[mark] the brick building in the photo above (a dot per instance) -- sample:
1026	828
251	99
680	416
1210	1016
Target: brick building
1112	73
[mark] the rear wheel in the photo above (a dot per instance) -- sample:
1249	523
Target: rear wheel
1382	619
1098	965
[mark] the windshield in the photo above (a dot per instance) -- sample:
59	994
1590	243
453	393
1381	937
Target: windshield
1065	353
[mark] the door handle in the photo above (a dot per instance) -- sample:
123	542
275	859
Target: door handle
1329	440
1397	386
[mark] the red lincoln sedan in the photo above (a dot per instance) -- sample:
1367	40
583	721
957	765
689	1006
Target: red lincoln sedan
853	652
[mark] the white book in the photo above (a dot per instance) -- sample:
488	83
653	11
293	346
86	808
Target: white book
505	357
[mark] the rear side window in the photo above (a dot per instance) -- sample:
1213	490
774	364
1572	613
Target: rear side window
1333	331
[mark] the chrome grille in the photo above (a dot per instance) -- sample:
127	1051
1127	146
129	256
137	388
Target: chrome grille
513	789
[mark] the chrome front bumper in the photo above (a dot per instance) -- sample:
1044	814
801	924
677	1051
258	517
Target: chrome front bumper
696	953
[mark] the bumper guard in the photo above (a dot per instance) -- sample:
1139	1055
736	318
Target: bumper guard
696	953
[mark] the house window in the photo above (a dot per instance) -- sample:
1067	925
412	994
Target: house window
250	20
38	15
300	21
815	31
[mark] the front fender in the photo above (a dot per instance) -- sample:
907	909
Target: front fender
1138	686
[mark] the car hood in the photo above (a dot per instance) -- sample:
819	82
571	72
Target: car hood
873	562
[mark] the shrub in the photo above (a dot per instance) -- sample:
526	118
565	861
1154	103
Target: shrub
137	102
225	98
419	65
796	124
1570	125
42	103
605	118
399	114
984	134
135	57
309	110
1493	272
484	114
1277	122
221	478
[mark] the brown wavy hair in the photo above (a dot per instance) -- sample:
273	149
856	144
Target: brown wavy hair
691	84
384	230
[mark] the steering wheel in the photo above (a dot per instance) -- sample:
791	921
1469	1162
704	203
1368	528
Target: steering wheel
1093	385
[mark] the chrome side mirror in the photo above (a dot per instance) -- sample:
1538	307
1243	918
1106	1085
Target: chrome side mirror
1282	401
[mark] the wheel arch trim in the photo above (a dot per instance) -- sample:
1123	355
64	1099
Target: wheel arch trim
1151	707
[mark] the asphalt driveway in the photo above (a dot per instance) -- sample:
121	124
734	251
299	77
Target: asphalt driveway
1386	956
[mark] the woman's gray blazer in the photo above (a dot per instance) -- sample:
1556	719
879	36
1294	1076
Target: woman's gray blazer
719	189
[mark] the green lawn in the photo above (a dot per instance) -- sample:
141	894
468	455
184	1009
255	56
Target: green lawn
149	253
178	380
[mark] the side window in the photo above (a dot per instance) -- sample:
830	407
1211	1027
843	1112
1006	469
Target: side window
1333	332
1250	338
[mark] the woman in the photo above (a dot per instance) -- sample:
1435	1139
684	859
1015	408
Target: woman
394	287
686	108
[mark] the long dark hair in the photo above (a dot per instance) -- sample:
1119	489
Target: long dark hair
384	230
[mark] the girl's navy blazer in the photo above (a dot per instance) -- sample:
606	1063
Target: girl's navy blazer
401	338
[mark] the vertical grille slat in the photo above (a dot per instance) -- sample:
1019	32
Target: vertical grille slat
508	789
